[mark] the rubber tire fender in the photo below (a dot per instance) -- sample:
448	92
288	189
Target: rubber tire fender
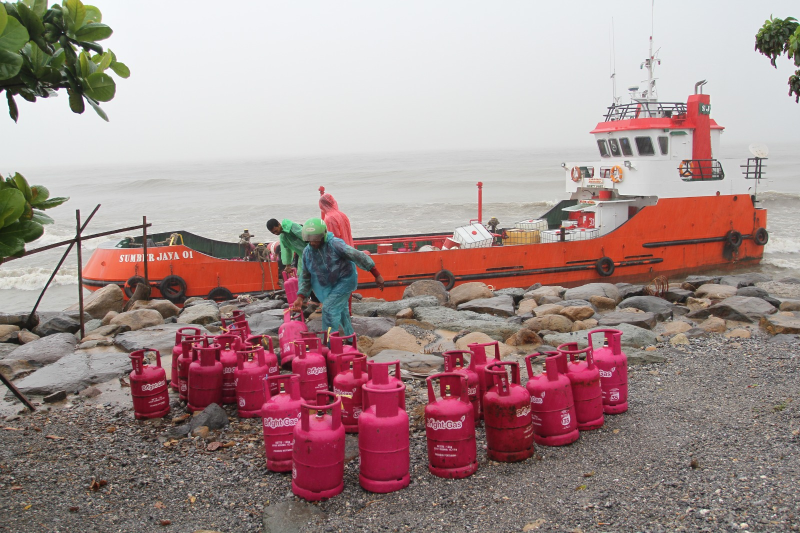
130	285
445	276
168	288
734	238
604	266
219	294
761	237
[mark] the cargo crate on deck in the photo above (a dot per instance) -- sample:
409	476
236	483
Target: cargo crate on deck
533	224
521	236
580	234
473	236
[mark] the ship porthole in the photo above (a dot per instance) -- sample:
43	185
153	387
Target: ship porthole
604	266
446	278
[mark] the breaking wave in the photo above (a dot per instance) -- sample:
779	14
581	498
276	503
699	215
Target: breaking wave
32	279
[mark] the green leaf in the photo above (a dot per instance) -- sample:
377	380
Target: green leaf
100	86
93	15
97	109
76	14
57	61
14	236
120	69
12	205
93	32
104	61
75	101
41	217
3	20
14	36
31	21
13	110
10	64
38	6
87	66
52	202
39	193
23	187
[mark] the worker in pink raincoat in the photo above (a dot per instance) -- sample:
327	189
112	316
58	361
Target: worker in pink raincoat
336	221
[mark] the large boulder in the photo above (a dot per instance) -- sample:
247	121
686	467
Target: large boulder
577	312
449	319
12	369
692	283
8	332
77	371
372	326
603	303
744	280
715	291
547	292
739	308
514	292
526	306
161	338
46	350
673	328
548	309
367	306
53	323
497	306
585	292
266	322
427	287
17	319
643	320
626	290
549	322
165	308
477	337
658	306
139	319
399	338
675	294
780	324
752	291
390	309
6	349
101	301
631	336
412	361
201	313
261	306
469	291
524	337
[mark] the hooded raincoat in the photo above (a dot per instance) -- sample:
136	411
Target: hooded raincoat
292	242
336	221
330	271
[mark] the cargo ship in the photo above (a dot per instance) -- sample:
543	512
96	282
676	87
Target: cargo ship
657	202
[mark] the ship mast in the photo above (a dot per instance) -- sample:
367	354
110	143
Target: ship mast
649	94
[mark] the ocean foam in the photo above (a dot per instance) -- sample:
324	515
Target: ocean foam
782	245
33	279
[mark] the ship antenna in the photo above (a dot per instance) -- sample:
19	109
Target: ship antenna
613	66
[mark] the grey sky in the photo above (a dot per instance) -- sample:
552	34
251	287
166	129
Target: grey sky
218	80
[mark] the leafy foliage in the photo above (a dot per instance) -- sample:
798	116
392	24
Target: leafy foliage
22	213
782	36
43	50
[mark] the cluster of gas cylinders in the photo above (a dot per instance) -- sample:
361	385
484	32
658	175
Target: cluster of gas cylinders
333	390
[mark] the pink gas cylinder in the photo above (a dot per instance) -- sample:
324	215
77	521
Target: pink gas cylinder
454	361
383	440
290	285
585	379
270	359
450	427
481	362
552	407
280	413
338	347
613	365
177	350
148	387
227	356
322	347
350	378
237	320
184	360
310	366
509	428
318	451
378	376
289	332
251	369
205	378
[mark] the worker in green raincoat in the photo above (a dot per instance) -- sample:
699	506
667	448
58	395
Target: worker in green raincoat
291	238
330	271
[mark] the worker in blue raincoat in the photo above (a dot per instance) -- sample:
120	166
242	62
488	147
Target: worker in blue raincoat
330	271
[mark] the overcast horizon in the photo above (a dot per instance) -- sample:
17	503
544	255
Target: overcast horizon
282	80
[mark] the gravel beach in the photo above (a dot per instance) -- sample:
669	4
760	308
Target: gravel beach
710	443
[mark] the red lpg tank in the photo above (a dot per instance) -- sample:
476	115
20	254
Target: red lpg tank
350	378
251	369
177	350
613	365
290	285
585	379
280	413
230	343
338	347
450	427
383	440
238	320
318	451
454	362
293	325
205	378
148	387
481	362
509	431
185	359
311	367
552	407
270	359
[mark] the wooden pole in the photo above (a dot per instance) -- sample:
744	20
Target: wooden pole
80	268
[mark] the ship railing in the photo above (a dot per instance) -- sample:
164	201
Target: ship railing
701	170
754	168
645	110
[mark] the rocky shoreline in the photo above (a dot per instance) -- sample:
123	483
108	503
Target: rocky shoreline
710	440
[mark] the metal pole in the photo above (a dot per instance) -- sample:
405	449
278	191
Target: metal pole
144	249
480	202
80	267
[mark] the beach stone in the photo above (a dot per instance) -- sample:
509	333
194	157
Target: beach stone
790	305
103	300
714	325
92	325
692	283
580	325
526	306
56	323
139	319
372	326
25	336
367	306
677	295
16	319
558	323
390	309
166	308
261	306
548	309
90	392
107	331
744	280
585	292
626	290
697	304
427	287
615	318
109	317
77	371
452	320
194	300
661	308
477	337
679	340
469	291
46	350
406	313
739	308
603	303
739	333
575	313
266	322
201	313
515	292
401	339
545	295
8	332
545	300
673	328
779	324
523	337
6	349
161	338
576	303
715	292
781	289
412	361
752	291
497	306
15	368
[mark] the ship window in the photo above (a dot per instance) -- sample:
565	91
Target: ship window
613	145
603	148
625	143
663	144
644	145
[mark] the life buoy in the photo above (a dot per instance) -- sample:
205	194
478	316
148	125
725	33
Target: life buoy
575	174
604	266
616	173
446	278
173	288
219	294
761	237
685	169
734	238
638	110
130	285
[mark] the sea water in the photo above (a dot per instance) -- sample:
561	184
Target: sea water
383	194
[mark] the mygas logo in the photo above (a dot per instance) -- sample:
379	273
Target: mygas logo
607	373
